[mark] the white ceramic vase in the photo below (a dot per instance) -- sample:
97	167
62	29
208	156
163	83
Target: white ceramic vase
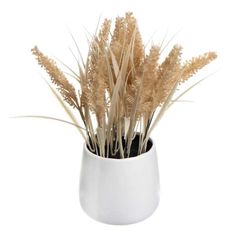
119	191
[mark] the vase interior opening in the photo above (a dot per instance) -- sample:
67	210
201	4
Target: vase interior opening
133	149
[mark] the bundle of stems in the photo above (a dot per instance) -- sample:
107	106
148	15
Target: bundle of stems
122	91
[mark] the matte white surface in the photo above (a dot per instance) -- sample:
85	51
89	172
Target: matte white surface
40	160
119	191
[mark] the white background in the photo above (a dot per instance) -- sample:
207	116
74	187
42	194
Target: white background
40	160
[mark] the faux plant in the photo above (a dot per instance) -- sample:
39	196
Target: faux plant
122	91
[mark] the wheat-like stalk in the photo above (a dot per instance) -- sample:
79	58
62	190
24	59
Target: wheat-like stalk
192	66
65	88
123	92
150	77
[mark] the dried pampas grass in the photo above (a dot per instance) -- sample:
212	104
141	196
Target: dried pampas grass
122	91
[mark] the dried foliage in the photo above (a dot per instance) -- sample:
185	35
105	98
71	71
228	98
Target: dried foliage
122	91
192	66
66	89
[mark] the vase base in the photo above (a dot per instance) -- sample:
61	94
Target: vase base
120	221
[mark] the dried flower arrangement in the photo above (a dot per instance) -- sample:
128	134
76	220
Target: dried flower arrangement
122	92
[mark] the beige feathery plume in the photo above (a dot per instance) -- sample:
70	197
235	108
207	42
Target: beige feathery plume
86	94
94	66
118	38
99	90
130	95
192	66
104	33
97	49
64	87
135	66
103	43
138	49
147	93
167	74
122	36
98	73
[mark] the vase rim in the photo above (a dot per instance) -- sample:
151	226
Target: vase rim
141	156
